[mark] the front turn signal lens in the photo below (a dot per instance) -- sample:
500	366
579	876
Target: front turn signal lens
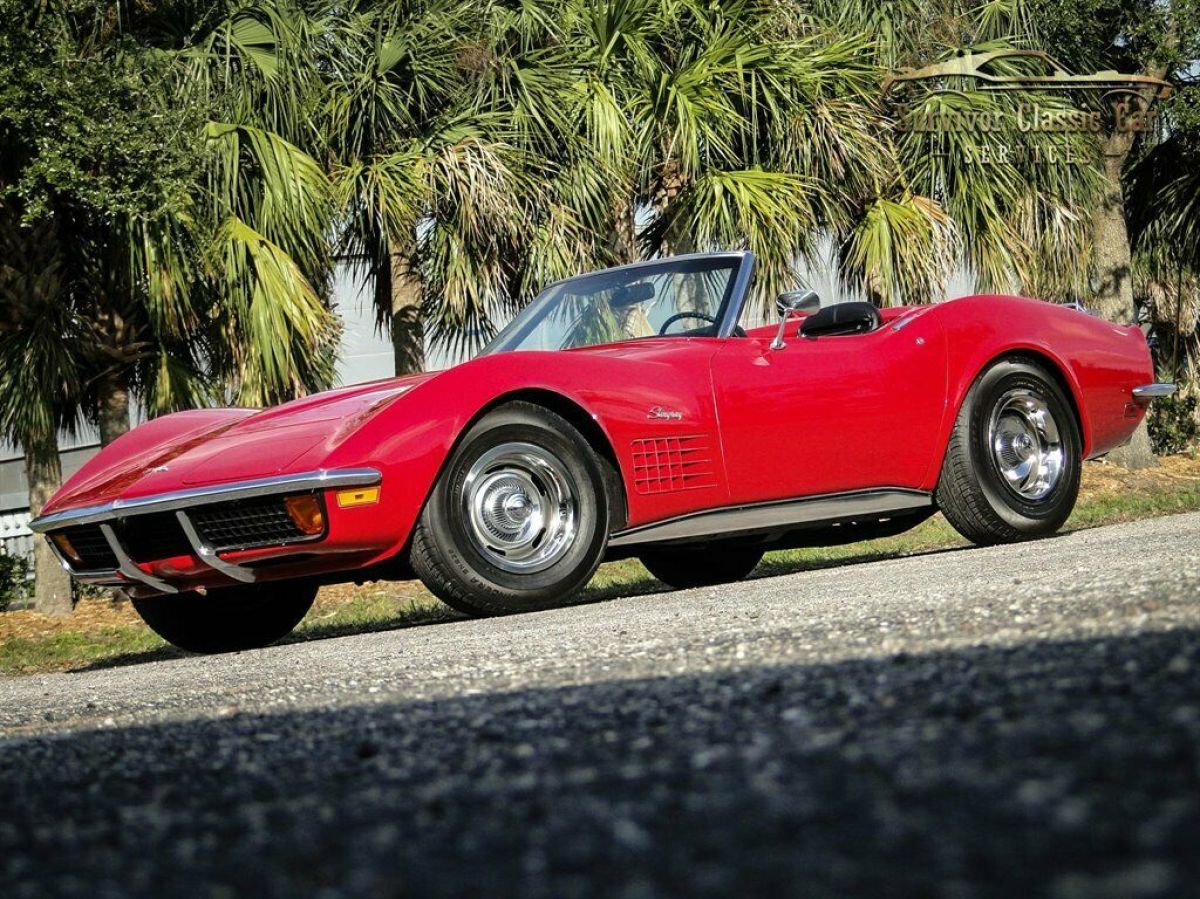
66	547
305	512
359	496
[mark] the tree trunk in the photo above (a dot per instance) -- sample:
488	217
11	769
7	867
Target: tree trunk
52	585
114	408
407	328
1137	454
1112	289
671	184
623	242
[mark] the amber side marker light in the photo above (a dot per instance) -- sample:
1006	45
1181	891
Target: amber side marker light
359	496
305	512
66	547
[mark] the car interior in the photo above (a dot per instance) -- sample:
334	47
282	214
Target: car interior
841	318
686	300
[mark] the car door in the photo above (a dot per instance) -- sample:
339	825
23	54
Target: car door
831	413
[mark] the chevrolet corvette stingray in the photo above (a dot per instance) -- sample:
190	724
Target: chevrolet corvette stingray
626	412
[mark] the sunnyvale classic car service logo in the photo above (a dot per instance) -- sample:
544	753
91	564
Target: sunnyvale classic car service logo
1107	101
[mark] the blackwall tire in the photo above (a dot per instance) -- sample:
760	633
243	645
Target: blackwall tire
519	518
1013	463
228	619
701	566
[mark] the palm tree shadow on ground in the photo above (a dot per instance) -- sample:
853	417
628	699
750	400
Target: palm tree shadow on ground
1063	767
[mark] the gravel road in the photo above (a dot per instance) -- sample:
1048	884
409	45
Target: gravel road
1019	720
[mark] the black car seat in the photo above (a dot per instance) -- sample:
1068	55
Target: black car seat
841	318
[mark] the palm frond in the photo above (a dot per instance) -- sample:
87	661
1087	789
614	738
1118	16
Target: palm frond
261	177
901	250
279	325
42	368
769	213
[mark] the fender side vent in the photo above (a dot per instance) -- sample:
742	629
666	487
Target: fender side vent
668	464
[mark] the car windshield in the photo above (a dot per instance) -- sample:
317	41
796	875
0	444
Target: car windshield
686	296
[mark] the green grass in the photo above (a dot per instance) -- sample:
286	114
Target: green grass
376	609
80	648
389	606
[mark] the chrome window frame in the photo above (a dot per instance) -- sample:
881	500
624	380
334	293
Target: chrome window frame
731	312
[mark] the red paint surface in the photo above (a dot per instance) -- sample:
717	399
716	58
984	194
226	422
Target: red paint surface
818	416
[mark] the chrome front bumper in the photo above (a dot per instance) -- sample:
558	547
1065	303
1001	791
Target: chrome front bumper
179	501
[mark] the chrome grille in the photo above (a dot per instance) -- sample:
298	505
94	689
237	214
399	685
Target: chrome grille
93	549
261	521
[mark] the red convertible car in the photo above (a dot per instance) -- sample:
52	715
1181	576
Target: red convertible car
622	413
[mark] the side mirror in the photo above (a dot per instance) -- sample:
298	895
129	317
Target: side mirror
793	302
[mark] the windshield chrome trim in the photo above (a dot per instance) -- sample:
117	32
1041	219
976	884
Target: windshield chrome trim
197	496
644	263
743	259
737	299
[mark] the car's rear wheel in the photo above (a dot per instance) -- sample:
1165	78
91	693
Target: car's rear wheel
519	518
230	618
702	565
1012	467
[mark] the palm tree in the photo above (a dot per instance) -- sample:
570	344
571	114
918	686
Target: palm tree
1011	205
40	372
437	193
1160	40
179	246
748	124
725	125
265	204
486	149
1164	229
654	126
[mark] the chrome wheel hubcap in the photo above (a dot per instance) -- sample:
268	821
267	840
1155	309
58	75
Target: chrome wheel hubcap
1026	444
520	508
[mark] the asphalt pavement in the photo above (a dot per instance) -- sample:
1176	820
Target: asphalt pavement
1010	721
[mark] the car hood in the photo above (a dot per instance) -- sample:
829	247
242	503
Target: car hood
275	440
215	446
219	446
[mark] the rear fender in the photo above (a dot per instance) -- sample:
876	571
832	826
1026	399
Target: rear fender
1096	362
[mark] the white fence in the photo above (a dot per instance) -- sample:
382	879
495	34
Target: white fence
15	536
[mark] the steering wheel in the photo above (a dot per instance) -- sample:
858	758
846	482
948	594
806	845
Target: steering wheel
681	315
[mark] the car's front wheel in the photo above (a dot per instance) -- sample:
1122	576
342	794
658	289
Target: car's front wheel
230	618
701	566
1012	467
519	518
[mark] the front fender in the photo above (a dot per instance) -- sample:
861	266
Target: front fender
411	439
